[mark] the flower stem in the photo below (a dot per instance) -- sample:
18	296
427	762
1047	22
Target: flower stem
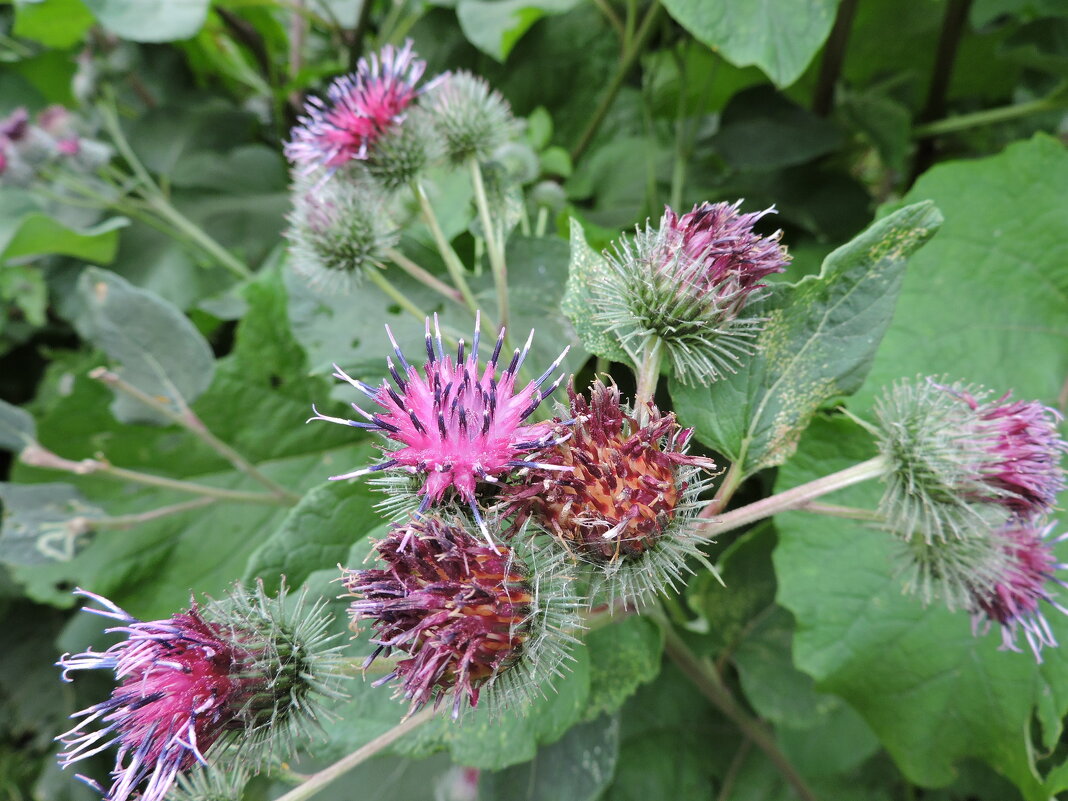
494	245
630	55
395	294
423	276
647	374
158	202
452	261
188	420
731	481
329	775
708	683
794	498
37	456
963	122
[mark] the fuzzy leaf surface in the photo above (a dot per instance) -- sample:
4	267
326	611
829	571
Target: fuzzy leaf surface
17	428
588	268
779	36
160	352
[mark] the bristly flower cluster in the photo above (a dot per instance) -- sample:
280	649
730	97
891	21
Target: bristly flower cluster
28	147
360	107
687	284
1000	575
469	617
621	494
969	481
245	671
472	119
958	461
458	423
337	231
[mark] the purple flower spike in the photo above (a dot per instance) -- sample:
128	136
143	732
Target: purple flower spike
469	617
685	286
1013	600
359	108
1023	452
247	670
457	423
179	690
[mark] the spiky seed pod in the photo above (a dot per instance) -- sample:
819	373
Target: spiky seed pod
338	229
471	119
458	423
622	495
958	462
686	284
999	575
359	108
469	617
402	152
246	670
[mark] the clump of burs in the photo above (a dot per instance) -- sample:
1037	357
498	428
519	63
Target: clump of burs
516	516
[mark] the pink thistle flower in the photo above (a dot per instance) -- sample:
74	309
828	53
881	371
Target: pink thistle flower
464	613
457	423
15	125
359	108
687	283
1012	599
245	666
181	688
1022	451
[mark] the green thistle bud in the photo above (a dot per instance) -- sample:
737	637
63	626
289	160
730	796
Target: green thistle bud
472	119
340	226
402	152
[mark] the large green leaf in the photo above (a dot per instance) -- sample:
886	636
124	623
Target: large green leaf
36	526
258	402
317	533
818	343
578	767
26	230
494	26
779	36
987	300
157	349
932	691
151	20
587	269
53	23
17	429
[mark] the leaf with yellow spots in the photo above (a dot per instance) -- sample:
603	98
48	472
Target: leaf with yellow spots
818	344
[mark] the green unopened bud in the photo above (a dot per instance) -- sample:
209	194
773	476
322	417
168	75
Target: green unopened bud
472	119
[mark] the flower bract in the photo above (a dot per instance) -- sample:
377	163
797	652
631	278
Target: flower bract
466	615
244	671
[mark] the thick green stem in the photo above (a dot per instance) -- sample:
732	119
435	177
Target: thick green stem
630	56
157	200
448	255
990	116
423	276
327	776
37	456
833	58
726	490
647	374
494	245
395	294
188	419
198	235
794	498
708	683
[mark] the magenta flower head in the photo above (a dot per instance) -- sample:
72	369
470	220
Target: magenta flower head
468	617
957	459
245	671
686	285
458	422
622	494
360	107
1000	575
